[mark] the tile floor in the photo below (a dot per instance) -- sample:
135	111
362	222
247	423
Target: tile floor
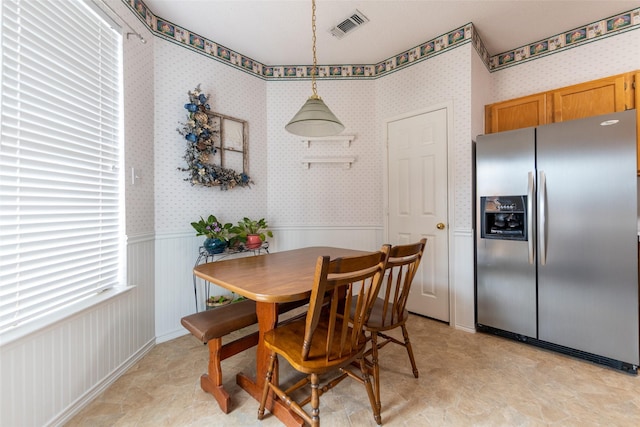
465	380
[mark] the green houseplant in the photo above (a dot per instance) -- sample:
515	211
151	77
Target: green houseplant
217	233
218	300
252	232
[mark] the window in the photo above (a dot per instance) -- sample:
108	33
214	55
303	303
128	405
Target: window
60	180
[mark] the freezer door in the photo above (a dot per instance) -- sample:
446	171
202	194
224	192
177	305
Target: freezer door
506	275
588	272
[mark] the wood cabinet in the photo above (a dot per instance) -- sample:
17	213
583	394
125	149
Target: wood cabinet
593	98
517	113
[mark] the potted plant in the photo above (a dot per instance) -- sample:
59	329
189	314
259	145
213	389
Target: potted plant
217	233
218	300
251	232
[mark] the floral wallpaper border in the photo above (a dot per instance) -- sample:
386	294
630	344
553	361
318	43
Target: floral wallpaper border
466	34
587	33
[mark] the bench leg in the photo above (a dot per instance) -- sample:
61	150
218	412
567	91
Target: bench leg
211	382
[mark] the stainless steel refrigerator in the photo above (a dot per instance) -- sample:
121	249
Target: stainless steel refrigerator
556	237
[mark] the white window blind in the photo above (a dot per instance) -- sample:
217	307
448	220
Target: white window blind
60	231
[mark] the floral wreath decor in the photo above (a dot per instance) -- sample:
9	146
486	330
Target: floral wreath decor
200	133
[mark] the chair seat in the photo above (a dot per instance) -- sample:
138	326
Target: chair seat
287	341
382	321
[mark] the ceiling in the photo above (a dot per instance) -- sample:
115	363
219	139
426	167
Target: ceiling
278	32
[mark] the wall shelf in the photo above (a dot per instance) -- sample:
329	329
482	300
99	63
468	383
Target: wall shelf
345	139
347	160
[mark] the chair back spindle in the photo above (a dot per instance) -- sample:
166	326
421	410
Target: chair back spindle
389	310
402	267
339	284
328	339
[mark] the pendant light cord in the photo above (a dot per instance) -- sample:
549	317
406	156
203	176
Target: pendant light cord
314	70
314	118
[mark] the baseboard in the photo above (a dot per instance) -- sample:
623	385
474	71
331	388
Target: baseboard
465	329
176	333
88	397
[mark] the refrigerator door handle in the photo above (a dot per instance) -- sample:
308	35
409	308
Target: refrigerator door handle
542	182
531	188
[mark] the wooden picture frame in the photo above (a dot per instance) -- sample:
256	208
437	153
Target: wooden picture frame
231	141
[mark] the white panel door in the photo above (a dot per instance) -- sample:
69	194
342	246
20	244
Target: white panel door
417	165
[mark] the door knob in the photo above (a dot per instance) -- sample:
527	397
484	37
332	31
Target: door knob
440	226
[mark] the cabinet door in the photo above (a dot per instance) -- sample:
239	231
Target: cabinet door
589	99
517	113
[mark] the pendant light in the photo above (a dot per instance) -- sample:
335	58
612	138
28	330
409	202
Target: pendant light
314	118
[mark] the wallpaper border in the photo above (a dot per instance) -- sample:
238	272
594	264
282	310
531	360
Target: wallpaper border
587	33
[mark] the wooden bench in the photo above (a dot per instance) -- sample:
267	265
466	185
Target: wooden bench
211	325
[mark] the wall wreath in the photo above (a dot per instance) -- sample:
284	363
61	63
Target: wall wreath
213	141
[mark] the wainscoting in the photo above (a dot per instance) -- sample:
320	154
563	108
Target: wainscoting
462	280
49	375
176	254
62	367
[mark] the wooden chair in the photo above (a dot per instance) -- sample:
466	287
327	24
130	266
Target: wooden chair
326	340
389	310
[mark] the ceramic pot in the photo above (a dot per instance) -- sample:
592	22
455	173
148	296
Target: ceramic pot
214	246
253	241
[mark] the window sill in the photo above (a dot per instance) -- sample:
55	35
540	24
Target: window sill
50	319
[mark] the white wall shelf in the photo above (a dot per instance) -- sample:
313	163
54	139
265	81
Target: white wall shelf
345	139
306	161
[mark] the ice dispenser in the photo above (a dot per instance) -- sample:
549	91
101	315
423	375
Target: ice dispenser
504	217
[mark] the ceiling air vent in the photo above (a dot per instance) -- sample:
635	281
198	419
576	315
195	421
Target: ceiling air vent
354	21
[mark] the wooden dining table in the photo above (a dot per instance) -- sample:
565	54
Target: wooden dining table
269	279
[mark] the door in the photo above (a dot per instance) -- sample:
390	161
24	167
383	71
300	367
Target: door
587	273
506	271
417	197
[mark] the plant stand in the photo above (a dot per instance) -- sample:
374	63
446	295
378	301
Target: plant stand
205	257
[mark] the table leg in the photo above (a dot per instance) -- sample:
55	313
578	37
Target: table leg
267	319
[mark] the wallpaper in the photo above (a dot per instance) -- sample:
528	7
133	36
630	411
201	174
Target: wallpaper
326	193
139	109
290	195
445	78
607	57
586	33
235	94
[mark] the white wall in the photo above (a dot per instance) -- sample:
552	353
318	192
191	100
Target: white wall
445	78
49	375
606	57
177	202
233	93
326	204
59	369
324	194
306	206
